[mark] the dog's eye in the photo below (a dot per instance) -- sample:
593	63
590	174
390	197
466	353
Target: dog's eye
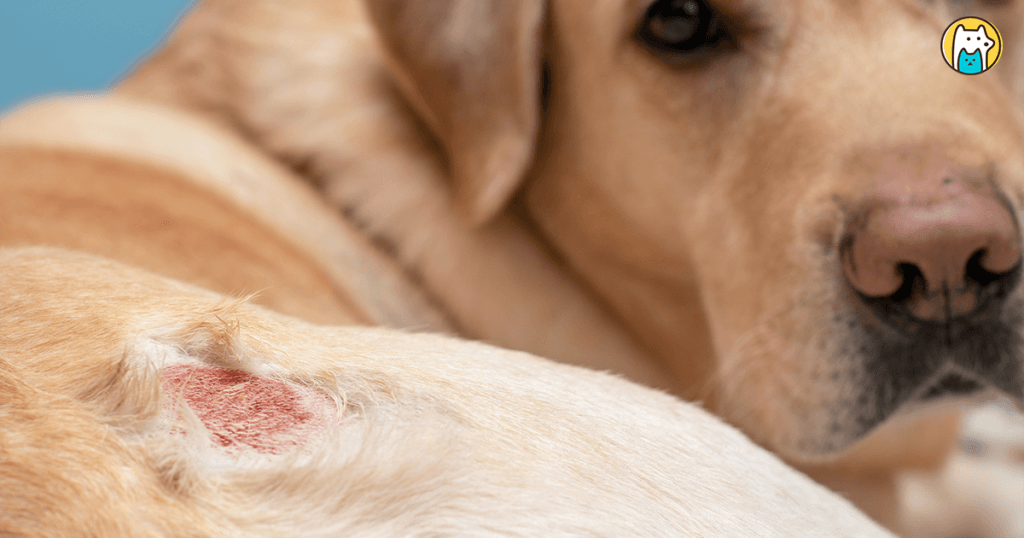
681	26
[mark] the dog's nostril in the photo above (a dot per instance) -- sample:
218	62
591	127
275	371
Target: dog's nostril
976	272
934	260
911	278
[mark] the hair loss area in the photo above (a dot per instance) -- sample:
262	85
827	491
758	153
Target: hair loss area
244	412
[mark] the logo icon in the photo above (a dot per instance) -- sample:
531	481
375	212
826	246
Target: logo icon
971	45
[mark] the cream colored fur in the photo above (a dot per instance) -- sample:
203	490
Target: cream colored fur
674	225
671	226
433	437
425	435
175	194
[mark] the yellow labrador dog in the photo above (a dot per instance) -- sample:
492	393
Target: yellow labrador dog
705	198
343	432
139	406
134	405
792	210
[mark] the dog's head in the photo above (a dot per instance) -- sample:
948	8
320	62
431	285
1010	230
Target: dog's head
807	182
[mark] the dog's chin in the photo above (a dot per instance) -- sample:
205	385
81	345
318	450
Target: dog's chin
901	378
880	375
849	373
952	390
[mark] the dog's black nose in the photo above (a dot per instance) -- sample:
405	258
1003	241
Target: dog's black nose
933	257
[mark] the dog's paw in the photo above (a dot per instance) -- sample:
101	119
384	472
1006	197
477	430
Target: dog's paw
979	493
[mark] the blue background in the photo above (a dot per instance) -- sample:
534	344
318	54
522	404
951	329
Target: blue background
64	46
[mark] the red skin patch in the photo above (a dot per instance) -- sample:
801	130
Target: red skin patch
242	410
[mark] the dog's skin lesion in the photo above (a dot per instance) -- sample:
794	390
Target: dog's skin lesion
430	435
715	220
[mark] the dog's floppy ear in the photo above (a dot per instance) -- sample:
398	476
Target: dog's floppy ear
472	69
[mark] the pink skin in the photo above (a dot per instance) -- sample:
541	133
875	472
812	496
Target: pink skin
243	411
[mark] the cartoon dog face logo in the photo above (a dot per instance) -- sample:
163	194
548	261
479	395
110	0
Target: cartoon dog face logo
971	45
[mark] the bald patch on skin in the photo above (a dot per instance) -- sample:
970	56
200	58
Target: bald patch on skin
246	412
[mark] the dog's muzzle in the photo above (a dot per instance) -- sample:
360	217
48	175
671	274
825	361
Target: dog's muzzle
933	275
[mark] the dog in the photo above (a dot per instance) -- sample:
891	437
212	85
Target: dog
134	405
733	201
970	49
496	152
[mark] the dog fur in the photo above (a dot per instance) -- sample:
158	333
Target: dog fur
423	435
695	212
411	435
636	216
